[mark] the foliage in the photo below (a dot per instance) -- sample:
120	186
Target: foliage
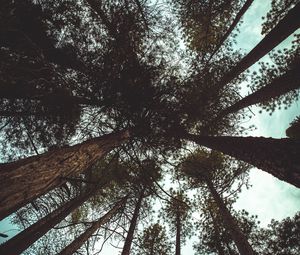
154	241
293	131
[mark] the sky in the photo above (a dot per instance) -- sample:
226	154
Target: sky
268	197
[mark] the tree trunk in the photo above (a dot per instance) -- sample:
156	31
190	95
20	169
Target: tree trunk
237	235
27	237
279	86
216	229
79	241
26	179
279	157
232	26
129	237
288	25
178	233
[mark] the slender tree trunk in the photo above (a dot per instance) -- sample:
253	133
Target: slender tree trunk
79	241
129	237
279	86
20	242
232	26
216	229
279	157
237	235
26	179
178	233
282	30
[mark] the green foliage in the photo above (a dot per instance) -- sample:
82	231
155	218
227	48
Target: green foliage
153	241
281	237
205	22
278	11
282	60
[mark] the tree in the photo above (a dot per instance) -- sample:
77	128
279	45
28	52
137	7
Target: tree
36	175
236	20
78	242
154	241
293	131
278	86
207	168
279	157
284	28
282	237
27	237
177	214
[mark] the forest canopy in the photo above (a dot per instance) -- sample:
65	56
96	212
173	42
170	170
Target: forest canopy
112	109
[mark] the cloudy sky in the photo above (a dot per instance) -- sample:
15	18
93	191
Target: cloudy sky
268	197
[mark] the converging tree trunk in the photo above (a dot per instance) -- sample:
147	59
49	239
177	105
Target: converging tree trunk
26	179
279	157
178	233
229	222
129	237
79	241
279	86
288	25
238	17
20	242
219	247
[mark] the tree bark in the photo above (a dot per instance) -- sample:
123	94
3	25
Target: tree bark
79	241
279	157
27	237
288	25
232	26
26	179
129	237
178	233
237	235
279	86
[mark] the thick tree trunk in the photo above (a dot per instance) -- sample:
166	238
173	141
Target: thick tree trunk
79	241
237	235
232	26
27	237
129	237
279	86
279	157
178	233
282	30
26	179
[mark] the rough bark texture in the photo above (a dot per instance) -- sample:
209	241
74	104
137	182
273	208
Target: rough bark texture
282	30
178	233
237	235
279	86
24	180
79	241
232	26
27	237
279	157
129	237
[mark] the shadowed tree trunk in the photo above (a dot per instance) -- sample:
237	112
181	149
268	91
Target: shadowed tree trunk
20	242
79	241
232	26
217	232
282	30
129	237
229	222
26	179
279	86
279	157
178	233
